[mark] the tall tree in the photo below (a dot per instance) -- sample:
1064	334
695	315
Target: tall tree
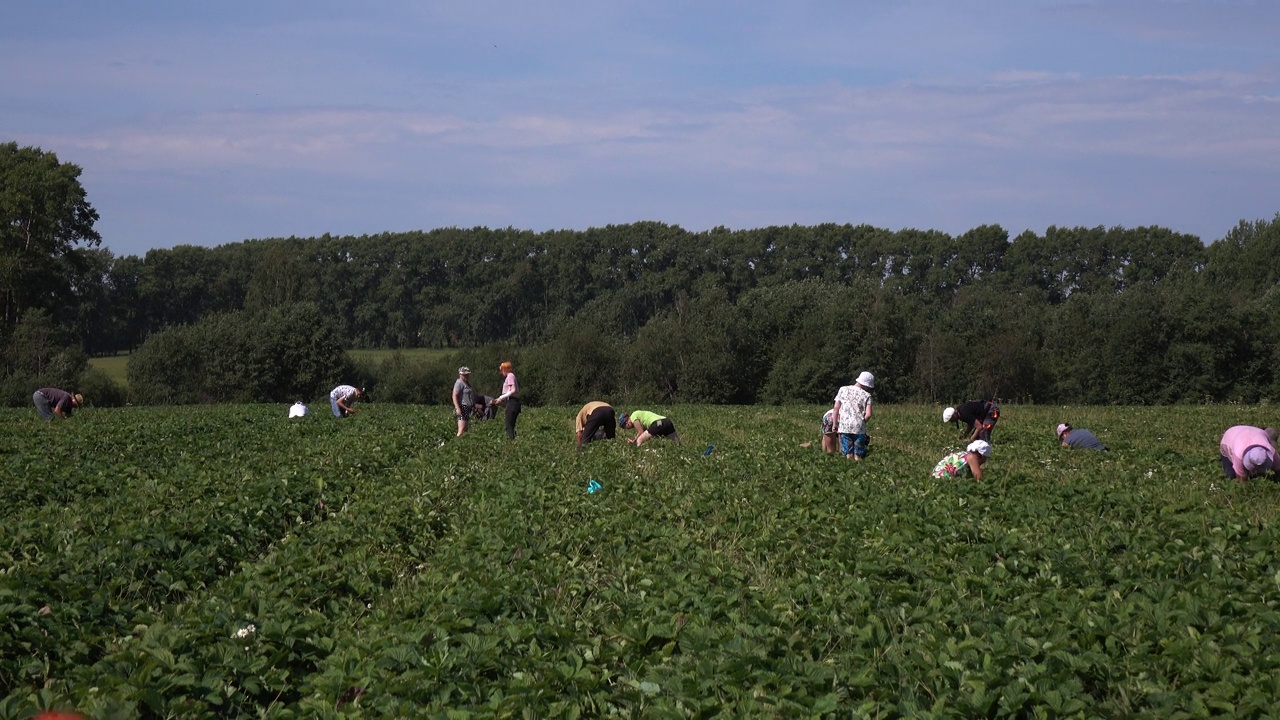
44	215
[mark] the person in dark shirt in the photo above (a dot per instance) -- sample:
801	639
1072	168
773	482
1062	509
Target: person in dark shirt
486	409
595	421
52	402
979	416
1078	438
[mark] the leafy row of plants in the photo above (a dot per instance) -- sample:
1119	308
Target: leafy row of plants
383	568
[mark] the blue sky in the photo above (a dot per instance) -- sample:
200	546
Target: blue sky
218	122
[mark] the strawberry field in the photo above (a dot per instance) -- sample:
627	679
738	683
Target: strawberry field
225	561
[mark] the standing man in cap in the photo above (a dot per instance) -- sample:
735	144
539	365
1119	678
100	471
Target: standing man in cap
463	399
52	402
979	415
852	411
1248	452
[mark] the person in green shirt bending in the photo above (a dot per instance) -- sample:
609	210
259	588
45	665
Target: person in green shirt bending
647	425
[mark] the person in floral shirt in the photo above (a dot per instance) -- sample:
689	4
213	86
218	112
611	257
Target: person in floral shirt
852	411
969	462
830	438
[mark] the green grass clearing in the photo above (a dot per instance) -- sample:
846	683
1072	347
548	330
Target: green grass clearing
377	355
115	367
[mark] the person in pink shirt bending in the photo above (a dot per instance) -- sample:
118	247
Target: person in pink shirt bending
1248	452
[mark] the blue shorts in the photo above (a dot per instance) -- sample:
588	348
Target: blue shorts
854	444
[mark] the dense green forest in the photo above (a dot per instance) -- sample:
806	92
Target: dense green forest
652	311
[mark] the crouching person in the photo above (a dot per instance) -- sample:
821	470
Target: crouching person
1248	452
647	425
960	464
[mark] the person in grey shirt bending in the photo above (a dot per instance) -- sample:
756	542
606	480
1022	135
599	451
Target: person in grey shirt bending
1078	439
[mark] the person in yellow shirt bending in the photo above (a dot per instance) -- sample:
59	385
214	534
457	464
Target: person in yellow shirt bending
647	425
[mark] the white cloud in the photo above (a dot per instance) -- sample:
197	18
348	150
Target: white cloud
906	112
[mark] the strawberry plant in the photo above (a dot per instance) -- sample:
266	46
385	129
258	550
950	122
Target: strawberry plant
222	561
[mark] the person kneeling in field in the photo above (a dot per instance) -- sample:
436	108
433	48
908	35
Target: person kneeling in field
647	425
1078	438
1248	452
970	462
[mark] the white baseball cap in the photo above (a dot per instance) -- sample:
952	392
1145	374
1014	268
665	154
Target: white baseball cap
948	414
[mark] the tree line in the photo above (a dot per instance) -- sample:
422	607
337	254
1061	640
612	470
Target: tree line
650	311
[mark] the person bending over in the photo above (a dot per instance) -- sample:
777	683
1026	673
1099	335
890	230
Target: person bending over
647	425
979	416
1248	452
52	402
595	421
1078	438
969	462
342	400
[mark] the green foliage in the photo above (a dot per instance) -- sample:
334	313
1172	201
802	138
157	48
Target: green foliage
1241	264
580	360
806	333
644	312
44	214
400	379
691	353
284	353
100	390
166	369
427	378
38	355
652	312
226	561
